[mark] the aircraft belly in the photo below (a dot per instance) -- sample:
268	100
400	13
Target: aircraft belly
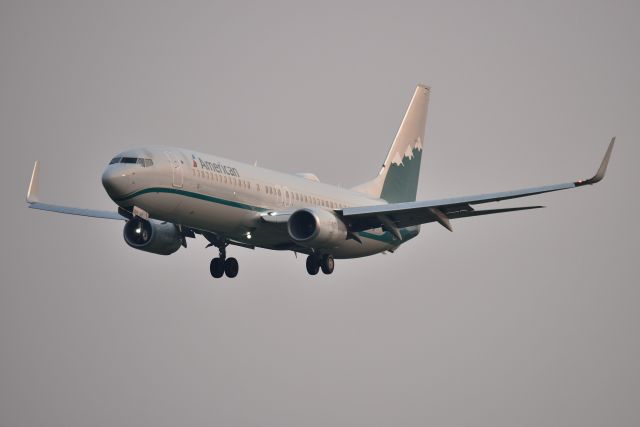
196	213
217	218
159	205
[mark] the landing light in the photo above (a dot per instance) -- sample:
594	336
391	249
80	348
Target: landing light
249	235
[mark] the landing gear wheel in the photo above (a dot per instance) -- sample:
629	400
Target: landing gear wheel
313	265
231	267
327	264
217	267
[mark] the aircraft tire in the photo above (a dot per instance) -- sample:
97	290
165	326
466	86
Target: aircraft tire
313	265
216	268
231	267
327	263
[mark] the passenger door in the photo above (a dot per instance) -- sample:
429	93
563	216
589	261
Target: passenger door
176	169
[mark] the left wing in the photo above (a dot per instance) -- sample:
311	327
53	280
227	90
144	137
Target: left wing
397	215
34	203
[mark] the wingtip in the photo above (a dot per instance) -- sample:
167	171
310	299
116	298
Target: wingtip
602	170
32	192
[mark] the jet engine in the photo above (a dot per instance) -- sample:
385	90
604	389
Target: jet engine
162	238
316	228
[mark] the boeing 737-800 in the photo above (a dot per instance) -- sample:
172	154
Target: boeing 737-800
167	195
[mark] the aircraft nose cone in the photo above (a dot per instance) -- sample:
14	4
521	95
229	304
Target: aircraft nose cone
115	182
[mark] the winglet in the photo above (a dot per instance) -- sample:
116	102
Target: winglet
602	169
32	193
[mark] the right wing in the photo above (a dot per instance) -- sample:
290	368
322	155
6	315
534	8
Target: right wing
397	215
34	203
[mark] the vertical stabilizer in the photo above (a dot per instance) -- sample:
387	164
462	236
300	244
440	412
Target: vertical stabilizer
398	178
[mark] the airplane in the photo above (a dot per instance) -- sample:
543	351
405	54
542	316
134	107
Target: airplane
168	194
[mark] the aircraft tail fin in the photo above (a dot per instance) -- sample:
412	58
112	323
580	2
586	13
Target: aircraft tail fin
397	181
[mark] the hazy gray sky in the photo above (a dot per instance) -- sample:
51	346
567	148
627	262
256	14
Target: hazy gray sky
523	319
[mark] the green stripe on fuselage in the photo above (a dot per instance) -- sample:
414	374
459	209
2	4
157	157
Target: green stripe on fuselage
193	196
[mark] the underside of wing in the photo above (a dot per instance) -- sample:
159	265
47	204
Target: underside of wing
92	213
411	217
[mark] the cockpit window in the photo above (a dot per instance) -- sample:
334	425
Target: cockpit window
145	163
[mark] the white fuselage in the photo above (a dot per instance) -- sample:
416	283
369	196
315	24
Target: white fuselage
228	198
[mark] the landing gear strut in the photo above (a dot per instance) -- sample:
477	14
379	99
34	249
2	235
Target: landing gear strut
223	265
317	262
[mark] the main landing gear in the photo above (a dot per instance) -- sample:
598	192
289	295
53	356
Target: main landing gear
317	262
223	265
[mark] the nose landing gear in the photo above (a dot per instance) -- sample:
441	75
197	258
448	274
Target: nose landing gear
317	262
223	265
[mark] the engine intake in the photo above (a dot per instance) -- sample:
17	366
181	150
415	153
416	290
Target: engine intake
162	238
316	228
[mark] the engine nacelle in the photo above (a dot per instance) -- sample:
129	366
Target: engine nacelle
162	238
316	228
